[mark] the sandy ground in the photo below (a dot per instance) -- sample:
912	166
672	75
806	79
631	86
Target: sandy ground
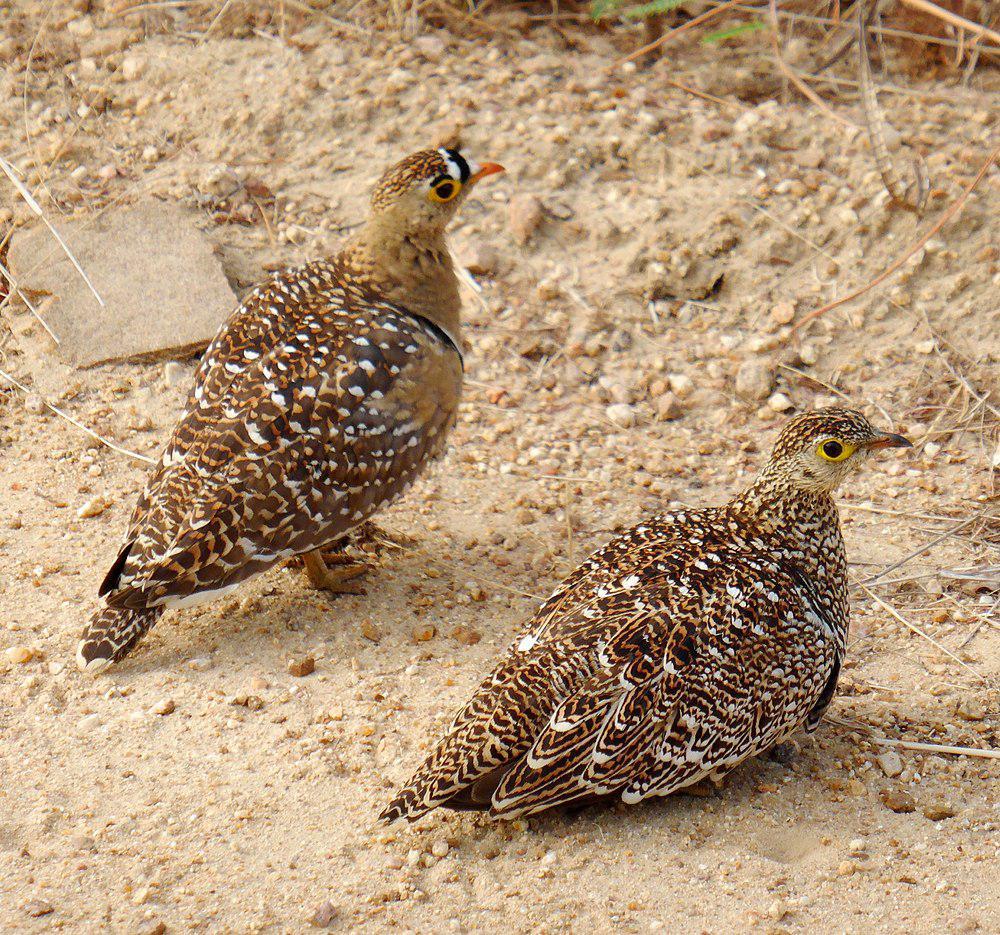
203	787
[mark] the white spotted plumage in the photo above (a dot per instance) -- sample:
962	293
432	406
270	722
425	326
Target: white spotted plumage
659	662
278	452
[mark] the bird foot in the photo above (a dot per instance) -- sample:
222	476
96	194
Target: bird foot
338	580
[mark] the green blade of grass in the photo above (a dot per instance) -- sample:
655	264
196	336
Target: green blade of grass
651	8
723	34
601	9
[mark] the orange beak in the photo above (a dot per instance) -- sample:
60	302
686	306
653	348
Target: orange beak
888	440
484	169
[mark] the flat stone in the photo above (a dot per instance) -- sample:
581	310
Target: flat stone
164	290
754	379
939	811
898	801
890	763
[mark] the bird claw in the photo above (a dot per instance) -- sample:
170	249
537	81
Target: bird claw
339	580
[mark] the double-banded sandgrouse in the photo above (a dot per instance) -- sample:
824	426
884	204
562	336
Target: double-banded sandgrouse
319	401
692	641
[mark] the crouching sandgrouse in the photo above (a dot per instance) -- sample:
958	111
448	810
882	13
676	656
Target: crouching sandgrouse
320	400
687	644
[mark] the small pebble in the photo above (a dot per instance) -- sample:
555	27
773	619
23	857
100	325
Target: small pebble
440	849
779	402
668	407
971	708
82	27
890	763
324	916
681	384
423	632
370	632
95	506
89	723
783	313
777	910
898	801
301	666
754	379
19	654
524	216
466	635
164	707
34	404
132	67
964	924
808	354
621	414
938	811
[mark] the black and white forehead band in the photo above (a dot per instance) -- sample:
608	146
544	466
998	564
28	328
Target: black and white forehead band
458	168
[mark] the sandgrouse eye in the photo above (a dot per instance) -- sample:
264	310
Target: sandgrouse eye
321	399
690	642
833	449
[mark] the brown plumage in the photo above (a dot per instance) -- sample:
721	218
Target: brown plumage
319	401
690	642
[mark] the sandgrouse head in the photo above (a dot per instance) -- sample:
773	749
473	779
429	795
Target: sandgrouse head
817	450
421	193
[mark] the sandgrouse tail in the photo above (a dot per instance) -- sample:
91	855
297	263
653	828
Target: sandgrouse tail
320	400
687	644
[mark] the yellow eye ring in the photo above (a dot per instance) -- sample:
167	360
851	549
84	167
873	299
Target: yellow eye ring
835	450
444	190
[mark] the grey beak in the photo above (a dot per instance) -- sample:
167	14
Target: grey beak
887	440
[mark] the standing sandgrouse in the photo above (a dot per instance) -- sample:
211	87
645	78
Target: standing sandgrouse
687	644
320	400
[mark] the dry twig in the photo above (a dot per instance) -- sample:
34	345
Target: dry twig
64	415
8	170
943	219
915	629
947	534
936	748
953	19
792	75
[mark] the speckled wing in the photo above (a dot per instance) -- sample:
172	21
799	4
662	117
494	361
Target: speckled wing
657	663
314	406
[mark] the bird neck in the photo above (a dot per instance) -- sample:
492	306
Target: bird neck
411	269
805	522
